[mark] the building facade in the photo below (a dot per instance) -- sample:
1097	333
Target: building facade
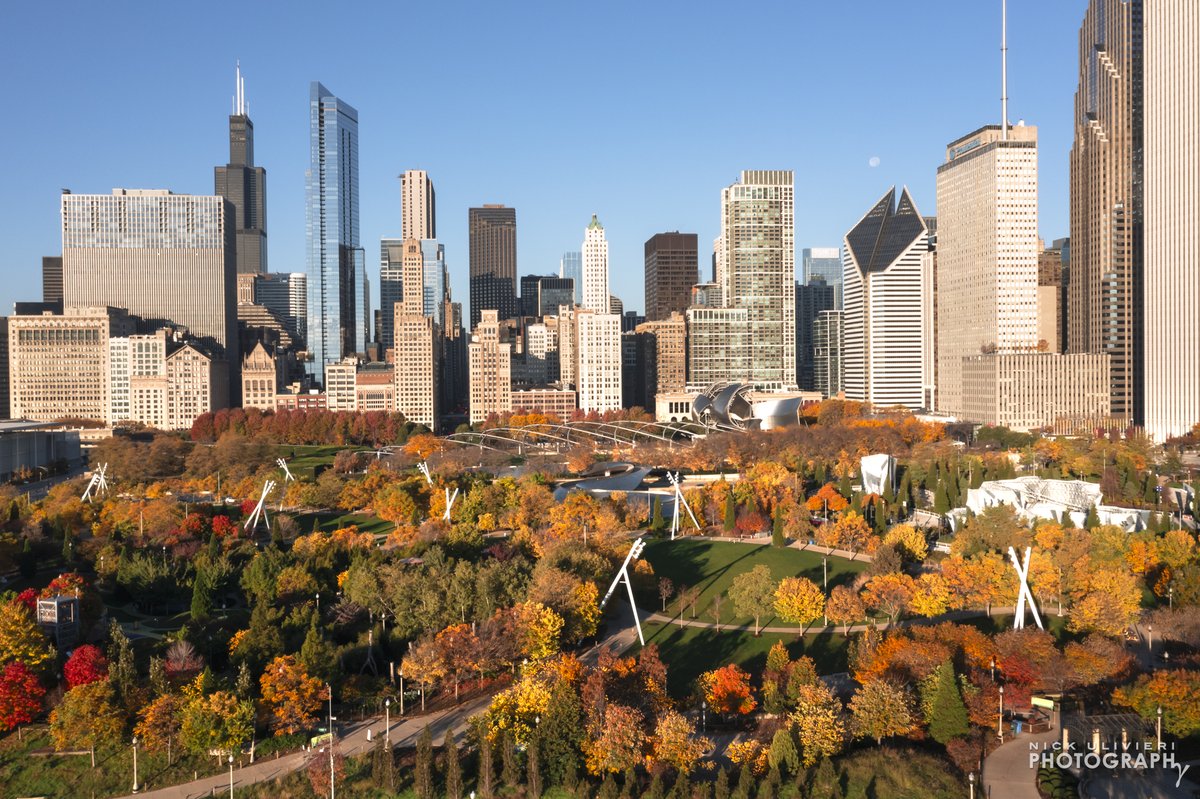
418	206
244	185
1104	312
559	403
570	266
598	361
828	337
1171	304
664	344
758	237
811	299
490	364
595	268
718	346
493	267
262	378
824	263
887	281
417	355
541	295
52	278
1035	390
672	269
987	253
338	304
285	295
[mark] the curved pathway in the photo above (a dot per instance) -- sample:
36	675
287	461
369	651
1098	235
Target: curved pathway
955	615
1006	771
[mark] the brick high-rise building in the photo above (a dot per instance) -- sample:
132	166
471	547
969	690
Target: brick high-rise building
671	271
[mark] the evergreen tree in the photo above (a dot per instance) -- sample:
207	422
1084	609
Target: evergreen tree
721	787
768	787
454	775
214	548
629	783
68	548
744	784
819	473
655	791
941	501
730	513
682	789
608	788
487	771
122	671
1149	494
509	772
201	596
657	523
783	755
159	683
27	563
778	539
383	766
318	656
1093	519
844	486
1067	520
561	732
824	782
533	769
947	713
423	768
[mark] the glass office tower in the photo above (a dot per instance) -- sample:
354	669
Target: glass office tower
339	319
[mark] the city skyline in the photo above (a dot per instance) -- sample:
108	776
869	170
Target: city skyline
557	188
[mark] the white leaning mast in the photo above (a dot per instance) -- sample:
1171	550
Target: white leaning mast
1023	594
287	473
679	500
260	510
98	483
623	574
423	467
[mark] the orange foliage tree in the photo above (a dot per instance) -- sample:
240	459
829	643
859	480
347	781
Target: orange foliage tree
727	690
291	695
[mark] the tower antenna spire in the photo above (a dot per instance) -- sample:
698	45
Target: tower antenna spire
239	97
1004	70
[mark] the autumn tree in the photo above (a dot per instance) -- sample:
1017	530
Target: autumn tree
818	722
21	639
423	663
908	541
727	690
21	694
1109	605
931	595
291	696
87	717
889	594
849	531
159	724
618	743
844	606
218	722
827	500
1174	691
880	710
676	744
86	664
459	649
798	600
753	594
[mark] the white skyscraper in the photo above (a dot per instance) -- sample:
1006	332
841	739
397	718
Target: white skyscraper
595	268
887	274
987	253
598	359
1172	212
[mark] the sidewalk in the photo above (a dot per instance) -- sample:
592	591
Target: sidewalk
1006	771
954	615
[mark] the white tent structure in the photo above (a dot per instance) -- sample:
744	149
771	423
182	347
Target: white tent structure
878	472
1038	498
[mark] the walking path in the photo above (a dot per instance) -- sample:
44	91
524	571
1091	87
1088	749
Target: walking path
954	615
1006	771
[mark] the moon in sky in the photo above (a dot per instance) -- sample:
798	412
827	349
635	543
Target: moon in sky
873	162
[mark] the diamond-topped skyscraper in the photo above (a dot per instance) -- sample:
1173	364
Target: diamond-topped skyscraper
245	186
338	314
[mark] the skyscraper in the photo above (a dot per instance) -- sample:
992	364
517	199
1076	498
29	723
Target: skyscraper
811	299
52	278
598	359
490	359
339	321
1171	310
166	258
757	237
286	296
571	267
671	271
595	268
987	256
541	295
418	217
824	263
493	267
887	323
391	287
828	342
1106	196
245	186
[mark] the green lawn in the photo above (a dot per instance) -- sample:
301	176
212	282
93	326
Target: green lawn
303	460
712	565
689	651
366	522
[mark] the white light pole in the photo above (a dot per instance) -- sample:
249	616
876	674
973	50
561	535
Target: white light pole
318	603
1158	727
1170	593
332	740
231	777
387	723
135	779
971	780
402	688
825	572
703	715
1000	721
1149	637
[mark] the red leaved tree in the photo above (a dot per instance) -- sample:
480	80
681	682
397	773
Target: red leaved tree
21	695
86	664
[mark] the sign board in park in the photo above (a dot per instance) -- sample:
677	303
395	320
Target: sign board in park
1039	701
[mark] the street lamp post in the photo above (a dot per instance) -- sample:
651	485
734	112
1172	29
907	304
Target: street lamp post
971	780
825	573
231	776
135	779
332	741
387	723
703	716
1170	595
1000	721
401	688
1149	637
318	602
1158	727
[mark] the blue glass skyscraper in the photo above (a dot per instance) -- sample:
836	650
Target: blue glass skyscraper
571	266
338	312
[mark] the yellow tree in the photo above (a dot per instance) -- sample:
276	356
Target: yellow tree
87	717
880	710
539	628
932	595
1109	605
292	697
798	600
818	721
21	639
908	541
216	724
159	724
991	580
423	663
676	744
850	531
618	743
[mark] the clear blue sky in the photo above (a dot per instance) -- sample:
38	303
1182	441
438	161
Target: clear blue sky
637	111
